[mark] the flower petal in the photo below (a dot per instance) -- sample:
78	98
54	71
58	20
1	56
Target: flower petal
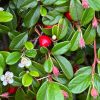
20	65
4	83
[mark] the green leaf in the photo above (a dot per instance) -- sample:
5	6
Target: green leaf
84	70
51	18
13	58
31	53
47	2
5	16
97	82
20	95
99	53
27	80
29	45
48	65
32	17
2	64
5	54
2	61
62	8
65	66
75	41
80	83
28	4
54	30
98	66
17	81
76	9
50	91
43	11
19	41
4	28
61	48
60	2
65	88
43	50
87	16
95	4
37	67
89	35
34	73
98	30
62	28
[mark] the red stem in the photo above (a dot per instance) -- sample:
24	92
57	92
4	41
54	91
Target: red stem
94	63
95	58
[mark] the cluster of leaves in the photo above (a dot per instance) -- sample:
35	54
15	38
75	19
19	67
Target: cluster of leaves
18	38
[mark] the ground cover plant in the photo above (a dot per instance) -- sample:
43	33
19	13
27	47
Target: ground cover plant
49	49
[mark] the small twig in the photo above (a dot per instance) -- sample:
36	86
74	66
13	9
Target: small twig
94	63
37	31
43	78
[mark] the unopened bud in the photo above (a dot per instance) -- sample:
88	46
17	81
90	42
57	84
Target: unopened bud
55	71
81	42
94	92
85	4
65	94
95	22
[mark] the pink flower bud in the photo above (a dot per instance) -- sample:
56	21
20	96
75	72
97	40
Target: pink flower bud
95	22
65	94
5	95
81	42
94	92
85	4
55	71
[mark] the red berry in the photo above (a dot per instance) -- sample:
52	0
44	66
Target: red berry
44	41
12	90
68	16
48	27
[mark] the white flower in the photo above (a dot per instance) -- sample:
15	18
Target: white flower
1	9
25	62
7	78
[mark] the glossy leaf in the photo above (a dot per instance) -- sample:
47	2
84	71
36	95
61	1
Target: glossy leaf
80	83
52	18
50	91
75	41
34	73
5	16
87	16
2	64
62	28
27	80
18	41
97	82
43	11
48	65
84	70
76	9
13	58
89	35
61	48
32	17
65	66
95	4
31	53
29	45
20	95
48	2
